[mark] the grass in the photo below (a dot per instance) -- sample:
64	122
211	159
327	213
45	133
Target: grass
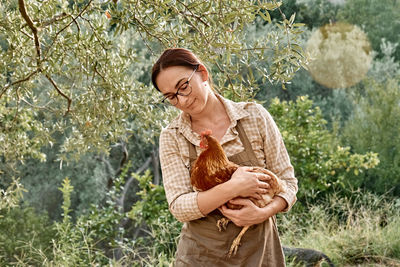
360	231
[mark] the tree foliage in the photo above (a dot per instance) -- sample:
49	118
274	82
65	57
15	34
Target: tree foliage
314	13
80	68
379	19
375	126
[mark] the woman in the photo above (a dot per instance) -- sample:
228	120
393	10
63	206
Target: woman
241	128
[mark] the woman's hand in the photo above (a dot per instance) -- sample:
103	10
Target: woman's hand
250	214
249	184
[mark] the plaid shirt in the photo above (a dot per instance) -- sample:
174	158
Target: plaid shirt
262	133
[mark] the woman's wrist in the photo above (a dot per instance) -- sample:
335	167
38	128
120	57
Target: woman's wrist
232	186
277	205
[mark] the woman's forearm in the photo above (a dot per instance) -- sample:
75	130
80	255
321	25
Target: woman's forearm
215	197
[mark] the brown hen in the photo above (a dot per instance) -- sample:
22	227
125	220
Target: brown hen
212	167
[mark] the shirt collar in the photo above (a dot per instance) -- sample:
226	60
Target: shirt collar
235	110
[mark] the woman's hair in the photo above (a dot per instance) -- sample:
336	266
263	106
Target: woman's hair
174	57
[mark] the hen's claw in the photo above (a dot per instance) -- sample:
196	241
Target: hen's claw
236	242
222	223
234	247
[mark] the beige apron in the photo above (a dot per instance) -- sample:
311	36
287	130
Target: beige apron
201	244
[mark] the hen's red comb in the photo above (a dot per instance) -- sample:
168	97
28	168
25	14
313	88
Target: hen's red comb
206	132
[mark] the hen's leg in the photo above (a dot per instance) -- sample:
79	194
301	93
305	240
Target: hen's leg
222	223
236	242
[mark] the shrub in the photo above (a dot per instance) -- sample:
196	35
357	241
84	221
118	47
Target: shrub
161	229
320	163
21	229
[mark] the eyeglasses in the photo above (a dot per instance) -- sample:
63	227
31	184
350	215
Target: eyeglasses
184	90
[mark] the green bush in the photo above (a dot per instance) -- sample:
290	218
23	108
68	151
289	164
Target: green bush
151	213
21	229
90	240
320	163
99	237
73	243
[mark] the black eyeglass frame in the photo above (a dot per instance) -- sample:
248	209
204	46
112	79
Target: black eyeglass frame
179	93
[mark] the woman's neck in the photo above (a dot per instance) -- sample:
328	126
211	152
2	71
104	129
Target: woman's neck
212	112
213	117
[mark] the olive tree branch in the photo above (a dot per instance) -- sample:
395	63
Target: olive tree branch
54	19
192	14
94	32
284	24
38	107
229	79
60	93
146	43
98	73
29	21
43	24
17	111
30	37
256	48
121	200
144	28
124	157
66	26
17	82
77	24
185	15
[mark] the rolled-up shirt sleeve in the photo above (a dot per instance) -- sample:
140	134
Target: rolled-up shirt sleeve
182	200
277	158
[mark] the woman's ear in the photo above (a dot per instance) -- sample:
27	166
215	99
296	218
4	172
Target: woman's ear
204	72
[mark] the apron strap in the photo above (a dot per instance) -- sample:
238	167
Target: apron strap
248	149
192	154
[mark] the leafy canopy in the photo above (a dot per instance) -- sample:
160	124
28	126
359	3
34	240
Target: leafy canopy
81	68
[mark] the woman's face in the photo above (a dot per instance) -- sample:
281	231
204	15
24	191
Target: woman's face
169	80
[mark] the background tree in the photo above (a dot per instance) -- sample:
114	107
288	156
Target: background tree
379	19
374	126
71	64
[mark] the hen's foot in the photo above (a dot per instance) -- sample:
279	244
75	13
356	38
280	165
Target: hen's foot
234	247
222	223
